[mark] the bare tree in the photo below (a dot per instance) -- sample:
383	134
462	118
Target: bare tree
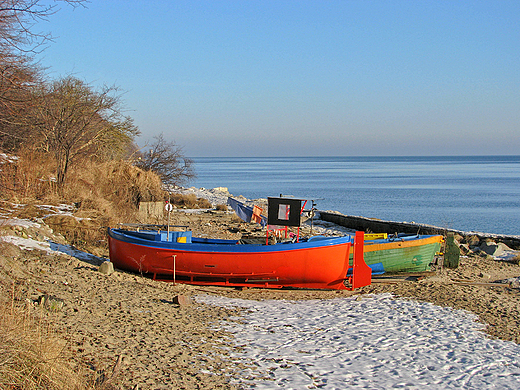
167	160
17	19
17	79
71	120
18	74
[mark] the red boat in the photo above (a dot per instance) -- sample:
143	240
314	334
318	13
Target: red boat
317	262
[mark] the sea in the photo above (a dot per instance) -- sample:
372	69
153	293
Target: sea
468	193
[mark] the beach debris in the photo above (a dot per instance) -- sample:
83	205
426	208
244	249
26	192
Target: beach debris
514	282
510	282
106	268
182	300
50	302
105	378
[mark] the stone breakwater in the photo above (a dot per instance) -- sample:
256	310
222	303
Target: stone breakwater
470	239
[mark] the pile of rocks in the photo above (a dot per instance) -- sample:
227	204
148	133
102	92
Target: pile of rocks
484	247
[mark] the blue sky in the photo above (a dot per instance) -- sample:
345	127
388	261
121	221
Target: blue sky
293	78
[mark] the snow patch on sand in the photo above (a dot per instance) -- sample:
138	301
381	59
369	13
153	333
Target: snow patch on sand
371	342
51	248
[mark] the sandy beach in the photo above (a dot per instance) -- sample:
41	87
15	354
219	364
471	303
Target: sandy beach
131	332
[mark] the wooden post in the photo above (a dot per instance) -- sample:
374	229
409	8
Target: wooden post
169	209
451	252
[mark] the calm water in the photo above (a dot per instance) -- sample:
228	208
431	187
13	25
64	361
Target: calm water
466	193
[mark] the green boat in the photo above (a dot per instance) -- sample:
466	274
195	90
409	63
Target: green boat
404	253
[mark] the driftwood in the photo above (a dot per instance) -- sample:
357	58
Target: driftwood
395	279
484	284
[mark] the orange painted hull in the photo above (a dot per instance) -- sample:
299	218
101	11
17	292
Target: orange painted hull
321	264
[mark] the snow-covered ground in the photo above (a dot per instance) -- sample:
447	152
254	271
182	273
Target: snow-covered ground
44	243
51	248
215	196
372	342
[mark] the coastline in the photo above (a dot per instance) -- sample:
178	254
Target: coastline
460	192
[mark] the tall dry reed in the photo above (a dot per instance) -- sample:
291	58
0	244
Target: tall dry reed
32	355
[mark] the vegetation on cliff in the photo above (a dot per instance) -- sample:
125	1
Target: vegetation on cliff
63	141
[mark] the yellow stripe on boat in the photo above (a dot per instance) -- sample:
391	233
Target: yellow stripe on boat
376	236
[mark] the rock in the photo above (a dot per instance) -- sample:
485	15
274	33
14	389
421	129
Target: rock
182	300
221	189
106	268
494	249
473	241
464	249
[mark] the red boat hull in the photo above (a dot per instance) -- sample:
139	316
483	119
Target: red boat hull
322	265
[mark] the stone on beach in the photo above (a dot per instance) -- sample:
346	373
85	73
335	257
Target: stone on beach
182	300
221	189
494	249
106	268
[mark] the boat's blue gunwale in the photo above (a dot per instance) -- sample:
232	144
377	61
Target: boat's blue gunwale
226	246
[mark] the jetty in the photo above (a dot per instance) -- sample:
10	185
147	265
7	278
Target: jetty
381	226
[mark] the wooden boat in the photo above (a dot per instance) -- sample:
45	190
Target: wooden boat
317	262
403	253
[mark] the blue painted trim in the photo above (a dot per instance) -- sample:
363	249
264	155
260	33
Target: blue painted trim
226	246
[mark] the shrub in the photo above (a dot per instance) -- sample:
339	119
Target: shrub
204	203
190	201
222	207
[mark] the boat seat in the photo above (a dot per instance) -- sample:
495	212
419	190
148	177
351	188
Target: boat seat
316	238
251	240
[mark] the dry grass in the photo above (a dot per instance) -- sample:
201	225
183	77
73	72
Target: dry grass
27	176
32	355
516	259
190	201
113	188
105	194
